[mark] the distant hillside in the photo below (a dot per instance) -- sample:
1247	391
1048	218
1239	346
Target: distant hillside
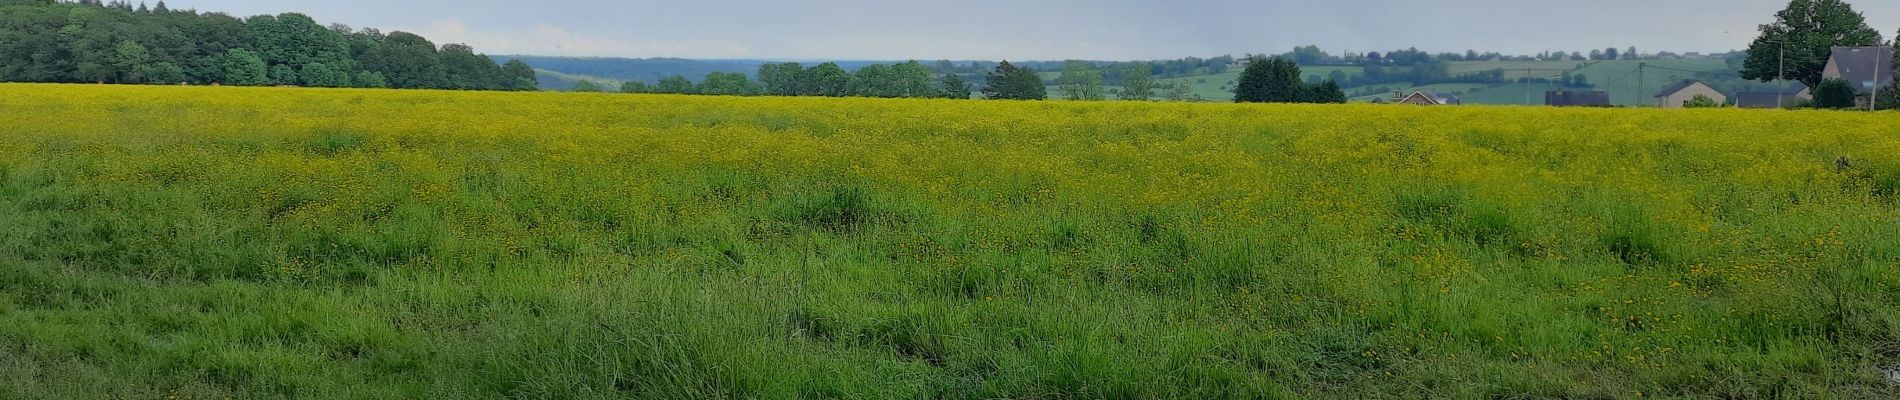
559	73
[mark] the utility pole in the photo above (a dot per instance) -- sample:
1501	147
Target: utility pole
1873	88
1639	82
1781	74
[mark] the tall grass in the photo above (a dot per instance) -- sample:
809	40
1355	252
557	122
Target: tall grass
305	243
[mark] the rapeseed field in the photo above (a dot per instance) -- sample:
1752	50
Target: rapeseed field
255	243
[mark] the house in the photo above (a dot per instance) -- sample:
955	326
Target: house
1424	98
1787	98
1680	94
1562	98
1866	68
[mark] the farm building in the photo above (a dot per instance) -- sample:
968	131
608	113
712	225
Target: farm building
1867	68
1562	98
1787	98
1680	94
1424	98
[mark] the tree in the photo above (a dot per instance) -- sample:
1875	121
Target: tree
911	79
323	75
1180	92
826	80
370	79
517	75
951	86
635	87
1272	80
282	75
1325	92
407	61
1808	30
127	58
1007	82
585	86
728	84
1138	82
463	69
1701	101
296	40
1081	81
163	73
243	68
676	84
782	79
1834	94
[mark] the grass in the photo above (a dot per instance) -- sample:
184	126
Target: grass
325	243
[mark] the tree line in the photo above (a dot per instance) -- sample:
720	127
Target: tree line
117	42
1079	80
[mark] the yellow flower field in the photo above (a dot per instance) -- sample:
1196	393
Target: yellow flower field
315	243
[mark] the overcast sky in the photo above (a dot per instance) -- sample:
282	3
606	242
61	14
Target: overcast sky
1048	29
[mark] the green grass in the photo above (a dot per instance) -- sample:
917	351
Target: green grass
264	243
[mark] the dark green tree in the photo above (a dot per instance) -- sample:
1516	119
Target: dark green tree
163	73
675	84
1834	94
242	68
407	61
323	75
728	84
369	79
1138	82
1270	80
828	80
635	87
585	86
517	75
782	79
1007	82
1808	29
951	86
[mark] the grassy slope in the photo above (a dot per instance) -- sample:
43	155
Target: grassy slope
265	243
1617	77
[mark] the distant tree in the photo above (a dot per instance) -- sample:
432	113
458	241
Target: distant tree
281	74
296	40
1596	54
675	84
323	75
1180	92
1007	82
1612	54
1701	101
1326	92
911	79
463	69
163	73
1138	82
126	60
782	79
369	79
951	86
1809	29
1272	80
517	75
242	68
407	61
826	80
1834	94
1081	81
728	84
635	87
1632	54
585	86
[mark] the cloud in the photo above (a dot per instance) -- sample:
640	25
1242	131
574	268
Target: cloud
545	39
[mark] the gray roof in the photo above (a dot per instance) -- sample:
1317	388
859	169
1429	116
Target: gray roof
1679	86
1859	65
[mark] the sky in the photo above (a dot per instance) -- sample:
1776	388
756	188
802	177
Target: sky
1048	29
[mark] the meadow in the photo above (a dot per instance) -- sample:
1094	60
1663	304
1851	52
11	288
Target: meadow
257	243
